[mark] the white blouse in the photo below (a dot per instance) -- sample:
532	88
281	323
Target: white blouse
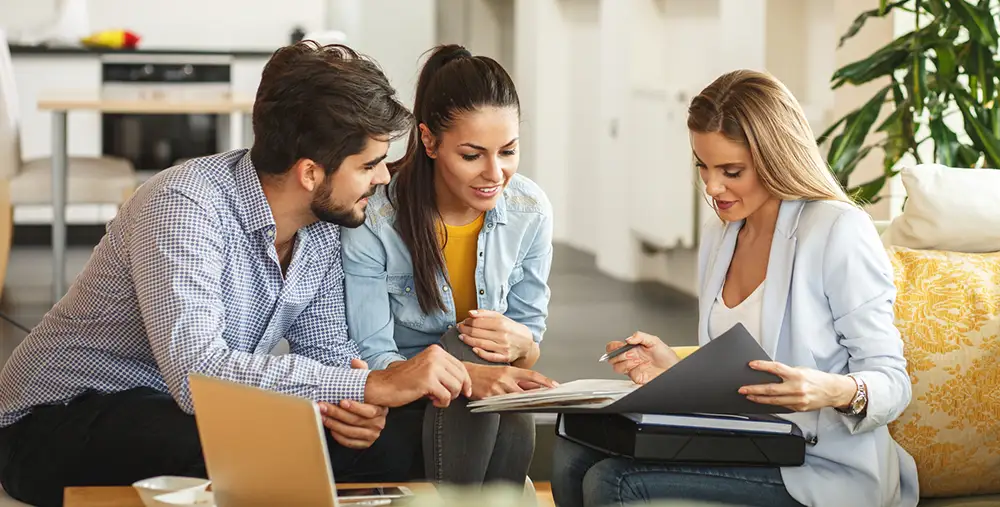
747	313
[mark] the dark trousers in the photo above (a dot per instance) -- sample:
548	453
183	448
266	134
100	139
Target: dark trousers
471	449
117	439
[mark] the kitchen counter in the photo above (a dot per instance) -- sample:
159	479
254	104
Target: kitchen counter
94	101
40	50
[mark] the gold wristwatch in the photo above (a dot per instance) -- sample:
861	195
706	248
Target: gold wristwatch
860	401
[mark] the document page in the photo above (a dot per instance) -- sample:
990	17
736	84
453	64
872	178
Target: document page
592	393
707	381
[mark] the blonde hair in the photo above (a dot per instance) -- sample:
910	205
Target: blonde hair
756	110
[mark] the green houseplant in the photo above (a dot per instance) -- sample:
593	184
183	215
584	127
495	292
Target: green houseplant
945	66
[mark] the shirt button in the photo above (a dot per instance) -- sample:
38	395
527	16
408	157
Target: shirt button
445	288
480	254
407	289
481	292
270	233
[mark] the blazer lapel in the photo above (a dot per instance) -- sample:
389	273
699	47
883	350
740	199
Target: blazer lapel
717	269
779	275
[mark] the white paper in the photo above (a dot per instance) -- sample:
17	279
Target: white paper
592	393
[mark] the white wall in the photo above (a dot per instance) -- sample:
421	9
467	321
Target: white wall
541	72
397	34
582	19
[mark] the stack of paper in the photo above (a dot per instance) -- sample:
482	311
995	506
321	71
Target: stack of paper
758	423
586	393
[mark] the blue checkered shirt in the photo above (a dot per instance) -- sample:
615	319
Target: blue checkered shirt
187	279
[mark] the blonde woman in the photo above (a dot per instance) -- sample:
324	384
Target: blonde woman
802	268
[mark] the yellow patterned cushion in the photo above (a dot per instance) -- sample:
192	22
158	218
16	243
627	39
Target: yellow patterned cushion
948	311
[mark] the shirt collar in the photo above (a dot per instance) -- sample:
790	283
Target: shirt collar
254	211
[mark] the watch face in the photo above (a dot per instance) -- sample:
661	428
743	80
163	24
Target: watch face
860	401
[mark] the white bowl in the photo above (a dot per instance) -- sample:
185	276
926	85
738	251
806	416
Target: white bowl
149	488
186	497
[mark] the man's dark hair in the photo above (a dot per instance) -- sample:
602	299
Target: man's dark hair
321	103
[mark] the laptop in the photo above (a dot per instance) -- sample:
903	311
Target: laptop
264	448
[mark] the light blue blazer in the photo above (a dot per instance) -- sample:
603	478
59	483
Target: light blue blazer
828	305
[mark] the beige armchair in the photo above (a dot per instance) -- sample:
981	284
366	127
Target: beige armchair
90	180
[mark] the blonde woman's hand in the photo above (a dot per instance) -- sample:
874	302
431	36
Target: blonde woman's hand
645	362
801	389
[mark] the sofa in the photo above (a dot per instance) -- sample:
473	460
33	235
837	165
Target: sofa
945	252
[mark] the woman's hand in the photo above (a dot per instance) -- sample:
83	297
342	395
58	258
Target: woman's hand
490	380
802	389
645	362
494	337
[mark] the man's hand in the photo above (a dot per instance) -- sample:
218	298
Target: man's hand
433	373
354	425
489	380
495	337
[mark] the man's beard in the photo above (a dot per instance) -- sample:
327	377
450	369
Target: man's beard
344	216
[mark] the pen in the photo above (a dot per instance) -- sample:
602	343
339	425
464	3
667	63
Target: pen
617	352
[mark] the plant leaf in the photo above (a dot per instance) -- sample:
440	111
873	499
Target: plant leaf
979	22
880	63
944	60
846	165
945	142
918	83
867	193
967	156
846	146
883	9
980	133
897	142
938	8
829	130
979	65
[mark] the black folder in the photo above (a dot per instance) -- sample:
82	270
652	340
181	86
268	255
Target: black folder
620	436
707	381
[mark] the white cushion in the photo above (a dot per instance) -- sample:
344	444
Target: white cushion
948	208
91	180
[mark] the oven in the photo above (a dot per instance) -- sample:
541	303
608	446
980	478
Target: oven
153	142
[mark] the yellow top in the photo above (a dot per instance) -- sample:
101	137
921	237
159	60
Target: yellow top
460	260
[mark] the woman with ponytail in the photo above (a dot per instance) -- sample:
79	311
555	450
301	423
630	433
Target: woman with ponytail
456	252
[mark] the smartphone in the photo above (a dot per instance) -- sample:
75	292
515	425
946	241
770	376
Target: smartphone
374	493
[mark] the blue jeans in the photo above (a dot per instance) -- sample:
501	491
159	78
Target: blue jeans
583	477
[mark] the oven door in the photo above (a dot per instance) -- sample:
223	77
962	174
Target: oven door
153	142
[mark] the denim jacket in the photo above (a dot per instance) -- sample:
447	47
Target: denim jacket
512	270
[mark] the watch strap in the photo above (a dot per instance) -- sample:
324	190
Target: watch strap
860	401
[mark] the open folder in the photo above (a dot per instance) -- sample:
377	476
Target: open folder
706	382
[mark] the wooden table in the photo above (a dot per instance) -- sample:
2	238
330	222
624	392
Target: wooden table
125	496
62	102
